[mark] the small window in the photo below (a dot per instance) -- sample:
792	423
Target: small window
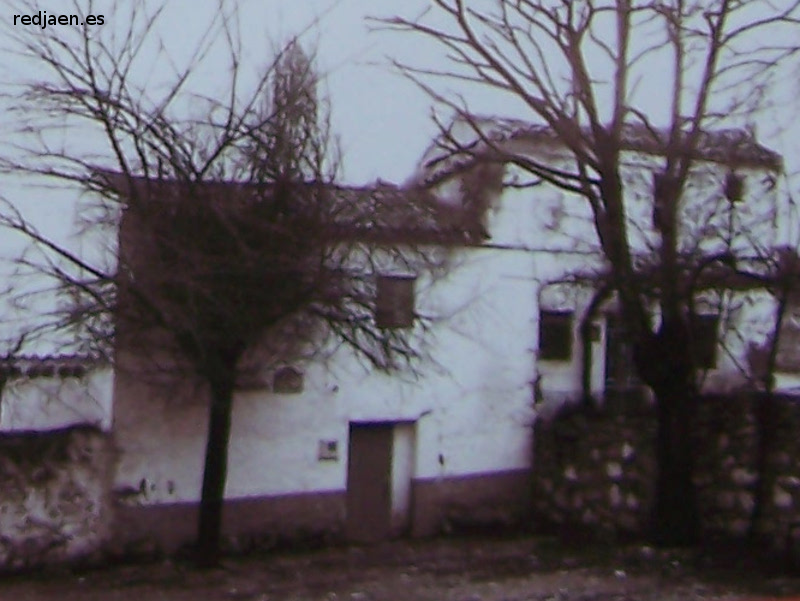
620	370
734	187
705	341
394	303
663	189
555	335
788	357
287	380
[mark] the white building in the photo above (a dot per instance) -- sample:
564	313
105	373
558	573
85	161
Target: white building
335	446
731	204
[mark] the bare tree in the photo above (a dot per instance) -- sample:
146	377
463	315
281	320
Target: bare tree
780	279
233	233
578	69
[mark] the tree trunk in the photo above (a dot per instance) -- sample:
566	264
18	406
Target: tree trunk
215	470
675	519
766	423
766	409
665	363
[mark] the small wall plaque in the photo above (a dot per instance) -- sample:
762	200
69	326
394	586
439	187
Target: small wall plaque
287	380
328	450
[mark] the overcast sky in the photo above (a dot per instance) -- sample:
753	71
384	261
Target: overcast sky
382	119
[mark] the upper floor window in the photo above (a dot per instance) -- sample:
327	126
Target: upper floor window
620	370
788	356
555	335
734	187
394	303
705	329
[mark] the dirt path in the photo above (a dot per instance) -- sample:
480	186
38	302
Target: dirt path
459	569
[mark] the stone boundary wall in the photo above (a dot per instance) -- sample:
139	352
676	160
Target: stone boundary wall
55	501
594	468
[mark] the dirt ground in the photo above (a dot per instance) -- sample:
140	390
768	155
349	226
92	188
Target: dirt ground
453	569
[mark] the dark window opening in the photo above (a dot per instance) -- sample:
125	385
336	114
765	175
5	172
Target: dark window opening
394	303
620	369
788	357
555	335
704	328
734	187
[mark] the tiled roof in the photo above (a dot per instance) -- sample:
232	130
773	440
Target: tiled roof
377	213
735	147
33	366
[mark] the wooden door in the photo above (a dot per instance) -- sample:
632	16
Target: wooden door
369	482
620	372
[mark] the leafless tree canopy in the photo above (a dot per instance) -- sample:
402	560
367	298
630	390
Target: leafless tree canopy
233	231
586	73
250	170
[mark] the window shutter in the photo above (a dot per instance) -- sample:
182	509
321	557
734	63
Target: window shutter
394	305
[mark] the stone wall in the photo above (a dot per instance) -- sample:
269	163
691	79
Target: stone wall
725	469
54	495
727	472
594	469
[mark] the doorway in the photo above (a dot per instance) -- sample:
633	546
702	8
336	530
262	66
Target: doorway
369	482
380	470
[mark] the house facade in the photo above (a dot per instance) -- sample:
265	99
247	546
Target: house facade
333	446
732	205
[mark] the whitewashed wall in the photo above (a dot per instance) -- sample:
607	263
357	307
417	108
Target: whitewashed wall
48	403
470	403
558	228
